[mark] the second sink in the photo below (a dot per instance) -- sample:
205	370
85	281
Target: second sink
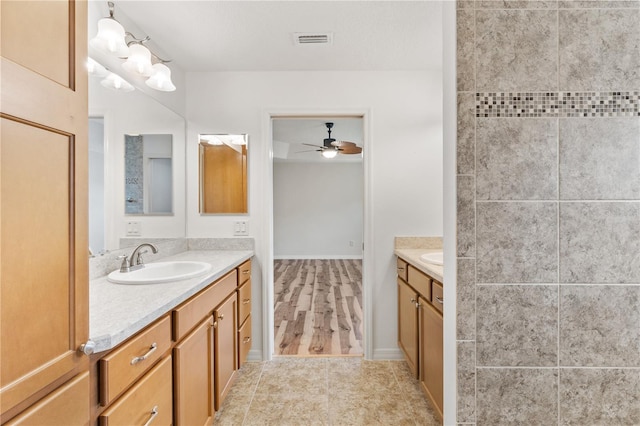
435	258
160	272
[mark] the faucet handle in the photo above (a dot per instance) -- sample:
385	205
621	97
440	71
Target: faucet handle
139	260
124	267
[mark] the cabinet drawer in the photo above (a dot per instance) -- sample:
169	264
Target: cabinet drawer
244	341
402	269
122	367
420	282
150	397
437	299
244	272
193	311
244	301
66	405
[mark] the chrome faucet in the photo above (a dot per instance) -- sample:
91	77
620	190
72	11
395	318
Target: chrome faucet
136	261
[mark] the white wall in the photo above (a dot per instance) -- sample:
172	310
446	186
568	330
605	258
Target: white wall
318	210
96	186
136	113
405	149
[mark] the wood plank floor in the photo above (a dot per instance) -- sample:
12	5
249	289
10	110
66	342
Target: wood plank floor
318	307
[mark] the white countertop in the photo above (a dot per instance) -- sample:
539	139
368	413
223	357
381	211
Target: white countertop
412	256
118	311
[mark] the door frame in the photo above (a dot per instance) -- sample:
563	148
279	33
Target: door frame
367	252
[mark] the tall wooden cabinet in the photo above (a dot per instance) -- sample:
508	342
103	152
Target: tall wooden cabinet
43	212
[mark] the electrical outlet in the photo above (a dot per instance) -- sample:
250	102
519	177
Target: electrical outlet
134	229
241	228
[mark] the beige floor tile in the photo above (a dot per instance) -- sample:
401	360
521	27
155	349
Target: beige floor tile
233	410
288	410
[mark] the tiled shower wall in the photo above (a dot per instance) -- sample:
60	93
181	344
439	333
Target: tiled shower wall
548	226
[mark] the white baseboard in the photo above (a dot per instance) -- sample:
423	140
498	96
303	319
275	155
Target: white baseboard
254	355
387	354
316	256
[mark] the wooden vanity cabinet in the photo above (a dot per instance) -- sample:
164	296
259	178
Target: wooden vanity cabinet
226	347
408	324
244	311
420	325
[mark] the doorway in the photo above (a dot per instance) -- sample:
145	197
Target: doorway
318	232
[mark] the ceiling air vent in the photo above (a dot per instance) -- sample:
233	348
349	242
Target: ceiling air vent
312	38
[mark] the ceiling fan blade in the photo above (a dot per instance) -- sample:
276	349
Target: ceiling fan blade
350	150
343	144
316	146
308	150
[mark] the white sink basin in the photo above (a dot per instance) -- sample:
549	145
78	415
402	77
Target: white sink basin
160	272
435	258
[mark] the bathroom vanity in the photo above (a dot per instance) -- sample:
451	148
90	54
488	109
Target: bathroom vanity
420	308
168	353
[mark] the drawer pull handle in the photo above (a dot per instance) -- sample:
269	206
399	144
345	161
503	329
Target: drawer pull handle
401	269
215	324
246	301
154	413
246	272
151	350
246	339
439	300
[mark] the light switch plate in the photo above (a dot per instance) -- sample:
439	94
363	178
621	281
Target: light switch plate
134	229
241	228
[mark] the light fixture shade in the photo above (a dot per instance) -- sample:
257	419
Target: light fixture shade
238	139
110	38
115	82
211	139
96	69
139	61
161	79
329	153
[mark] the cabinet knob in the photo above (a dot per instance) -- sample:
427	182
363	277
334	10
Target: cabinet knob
154	413
221	317
88	347
439	300
246	339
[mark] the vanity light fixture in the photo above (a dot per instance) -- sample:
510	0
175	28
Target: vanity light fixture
115	82
112	39
96	69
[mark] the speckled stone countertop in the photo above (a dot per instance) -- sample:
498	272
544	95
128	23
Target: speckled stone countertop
118	311
411	248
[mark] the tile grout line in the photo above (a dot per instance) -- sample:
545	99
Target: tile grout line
253	394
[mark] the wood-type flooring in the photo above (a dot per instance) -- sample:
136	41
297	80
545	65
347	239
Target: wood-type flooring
318	307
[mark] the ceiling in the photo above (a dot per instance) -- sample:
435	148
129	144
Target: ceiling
234	35
237	35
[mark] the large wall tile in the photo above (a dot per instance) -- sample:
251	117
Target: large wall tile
599	49
600	158
466	146
520	396
516	4
600	4
517	242
517	159
465	65
466	299
599	397
600	326
466	225
517	325
600	242
466	382
516	50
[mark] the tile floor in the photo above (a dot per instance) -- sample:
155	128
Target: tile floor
339	391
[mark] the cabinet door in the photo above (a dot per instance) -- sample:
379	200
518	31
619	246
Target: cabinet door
226	347
431	365
193	375
43	186
408	324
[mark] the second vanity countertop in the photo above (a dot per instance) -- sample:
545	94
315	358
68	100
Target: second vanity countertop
412	256
118	311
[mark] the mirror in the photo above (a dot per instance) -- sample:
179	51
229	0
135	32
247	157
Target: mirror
119	122
223	174
148	174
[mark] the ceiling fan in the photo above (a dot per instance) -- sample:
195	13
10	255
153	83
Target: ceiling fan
331	147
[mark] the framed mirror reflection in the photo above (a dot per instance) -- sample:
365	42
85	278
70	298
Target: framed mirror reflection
223	173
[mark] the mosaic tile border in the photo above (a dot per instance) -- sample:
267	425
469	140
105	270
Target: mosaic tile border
557	104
